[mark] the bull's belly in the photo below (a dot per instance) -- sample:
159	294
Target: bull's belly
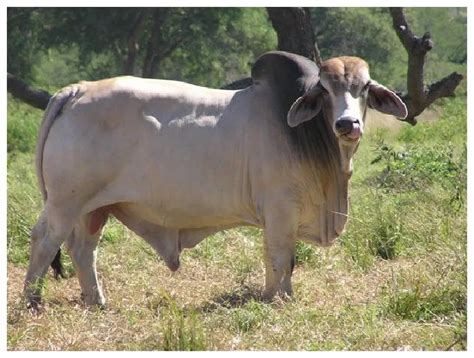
181	218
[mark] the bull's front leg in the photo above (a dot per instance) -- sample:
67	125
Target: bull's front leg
279	245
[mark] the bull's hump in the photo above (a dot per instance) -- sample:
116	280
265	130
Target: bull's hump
279	67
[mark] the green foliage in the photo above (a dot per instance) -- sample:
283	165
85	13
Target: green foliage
434	154
23	40
416	168
226	49
362	32
62	65
22	126
53	46
68	44
448	26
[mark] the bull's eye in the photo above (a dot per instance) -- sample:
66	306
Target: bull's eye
365	89
324	92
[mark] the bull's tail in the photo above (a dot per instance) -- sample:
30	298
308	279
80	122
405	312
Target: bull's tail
57	266
54	108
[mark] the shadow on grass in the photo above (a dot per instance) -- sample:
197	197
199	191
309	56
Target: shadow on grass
233	299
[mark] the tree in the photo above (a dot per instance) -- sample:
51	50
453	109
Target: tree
418	95
178	43
189	43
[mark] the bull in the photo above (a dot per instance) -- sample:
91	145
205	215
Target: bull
175	163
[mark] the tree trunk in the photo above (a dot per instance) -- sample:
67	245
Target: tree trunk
154	52
294	31
128	67
418	95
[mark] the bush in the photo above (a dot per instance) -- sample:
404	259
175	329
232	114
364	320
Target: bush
417	168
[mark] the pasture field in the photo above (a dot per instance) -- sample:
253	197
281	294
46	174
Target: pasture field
395	280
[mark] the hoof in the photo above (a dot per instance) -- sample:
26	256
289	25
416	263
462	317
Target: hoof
268	296
94	301
173	265
272	295
34	306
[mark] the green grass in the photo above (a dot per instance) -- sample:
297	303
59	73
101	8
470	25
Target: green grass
23	129
396	279
24	205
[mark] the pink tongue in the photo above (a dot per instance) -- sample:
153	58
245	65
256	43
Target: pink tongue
355	133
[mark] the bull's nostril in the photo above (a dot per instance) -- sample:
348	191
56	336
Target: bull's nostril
344	125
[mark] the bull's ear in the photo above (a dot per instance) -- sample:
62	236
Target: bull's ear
386	101
305	107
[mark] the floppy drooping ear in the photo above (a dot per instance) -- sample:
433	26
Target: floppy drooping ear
386	101
306	106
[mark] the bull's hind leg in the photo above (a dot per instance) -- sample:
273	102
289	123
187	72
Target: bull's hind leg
82	247
52	228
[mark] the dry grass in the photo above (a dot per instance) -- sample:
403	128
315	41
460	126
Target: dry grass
377	120
336	305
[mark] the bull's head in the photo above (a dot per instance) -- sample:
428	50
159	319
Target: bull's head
345	89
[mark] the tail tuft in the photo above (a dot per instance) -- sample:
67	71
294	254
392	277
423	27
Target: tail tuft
57	266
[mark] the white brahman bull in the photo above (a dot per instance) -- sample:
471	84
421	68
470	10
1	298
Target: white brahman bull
176	162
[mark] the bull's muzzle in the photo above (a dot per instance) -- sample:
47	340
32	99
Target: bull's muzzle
348	128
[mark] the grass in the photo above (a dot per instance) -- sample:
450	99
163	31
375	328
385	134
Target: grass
395	280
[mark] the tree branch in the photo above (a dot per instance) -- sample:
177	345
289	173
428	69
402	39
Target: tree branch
418	95
444	87
34	97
